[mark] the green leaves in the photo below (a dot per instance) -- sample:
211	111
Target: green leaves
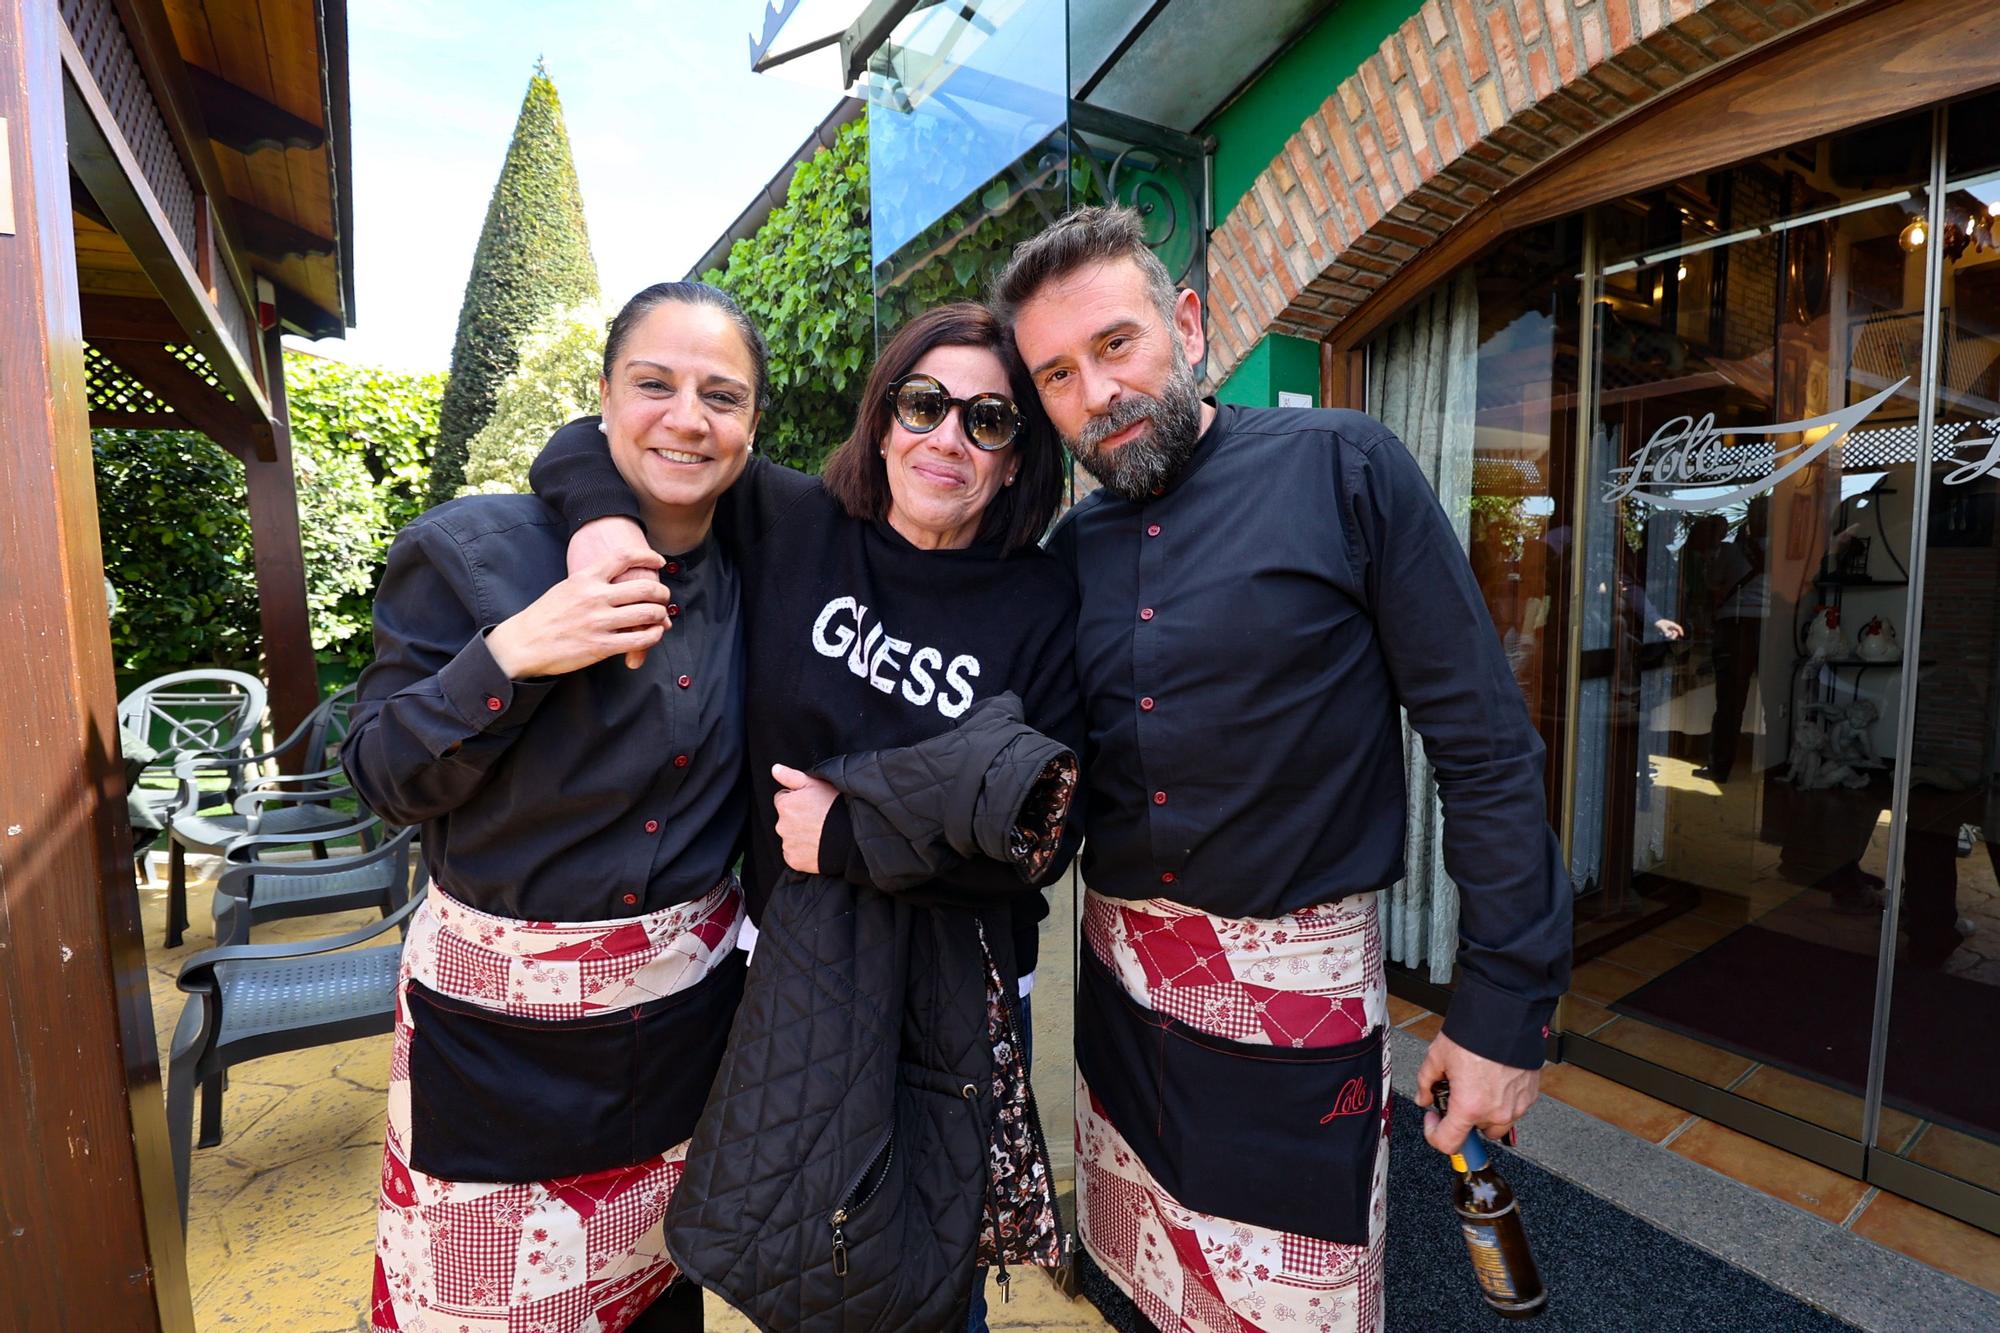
176	529
803	277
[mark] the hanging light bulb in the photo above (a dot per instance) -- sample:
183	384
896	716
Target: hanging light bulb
1915	233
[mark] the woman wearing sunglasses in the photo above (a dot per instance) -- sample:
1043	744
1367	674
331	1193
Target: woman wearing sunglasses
881	601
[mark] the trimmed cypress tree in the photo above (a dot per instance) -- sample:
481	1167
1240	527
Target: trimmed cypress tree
533	258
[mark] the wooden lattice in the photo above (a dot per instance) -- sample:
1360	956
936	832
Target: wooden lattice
107	50
115	391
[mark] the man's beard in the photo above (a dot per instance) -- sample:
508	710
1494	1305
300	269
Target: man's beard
1138	468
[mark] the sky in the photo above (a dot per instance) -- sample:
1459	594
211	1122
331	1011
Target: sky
672	136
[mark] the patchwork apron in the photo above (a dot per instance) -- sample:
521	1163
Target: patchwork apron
543	1083
1232	1114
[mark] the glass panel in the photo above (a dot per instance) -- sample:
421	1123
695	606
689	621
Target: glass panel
1941	1100
967	147
1753	412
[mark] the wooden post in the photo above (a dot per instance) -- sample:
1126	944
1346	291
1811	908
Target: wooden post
290	669
89	1233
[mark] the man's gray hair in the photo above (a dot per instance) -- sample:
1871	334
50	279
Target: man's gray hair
1091	235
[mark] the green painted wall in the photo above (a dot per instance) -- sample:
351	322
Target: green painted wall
1252	130
1278	362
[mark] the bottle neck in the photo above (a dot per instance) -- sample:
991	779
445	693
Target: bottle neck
1471	1155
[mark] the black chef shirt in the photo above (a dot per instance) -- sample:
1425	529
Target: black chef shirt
590	796
1244	641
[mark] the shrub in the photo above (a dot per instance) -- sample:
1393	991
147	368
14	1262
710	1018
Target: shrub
174	517
555	382
533	257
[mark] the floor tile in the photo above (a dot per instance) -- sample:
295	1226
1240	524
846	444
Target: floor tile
1632	1111
1961	1155
1605	981
1692	932
1649	956
1581	1016
1932	1238
1774	1171
1681	1054
1829	1108
1729	909
1402	1011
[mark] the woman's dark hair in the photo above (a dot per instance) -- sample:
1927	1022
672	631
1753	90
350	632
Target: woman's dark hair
856	475
690	293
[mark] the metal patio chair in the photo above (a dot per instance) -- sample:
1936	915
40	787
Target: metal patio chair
254	890
251	1000
305	817
205	711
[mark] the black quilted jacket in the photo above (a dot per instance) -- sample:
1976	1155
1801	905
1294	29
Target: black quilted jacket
838	1176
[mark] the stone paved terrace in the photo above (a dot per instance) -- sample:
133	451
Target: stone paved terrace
281	1228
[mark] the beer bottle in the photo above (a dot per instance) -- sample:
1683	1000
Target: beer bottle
1490	1221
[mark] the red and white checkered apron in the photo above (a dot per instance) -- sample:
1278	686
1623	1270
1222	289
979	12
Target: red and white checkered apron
581	1254
1313	978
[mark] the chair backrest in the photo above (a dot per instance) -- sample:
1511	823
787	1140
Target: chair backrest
328	727
203	711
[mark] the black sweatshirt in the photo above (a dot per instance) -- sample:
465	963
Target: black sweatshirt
856	640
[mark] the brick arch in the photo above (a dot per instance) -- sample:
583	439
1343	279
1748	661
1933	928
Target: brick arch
1466	98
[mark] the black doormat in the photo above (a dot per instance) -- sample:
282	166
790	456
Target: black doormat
1809	1008
1605	1269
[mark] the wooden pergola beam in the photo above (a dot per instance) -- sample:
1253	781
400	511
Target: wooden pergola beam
108	168
192	398
238	118
93	1236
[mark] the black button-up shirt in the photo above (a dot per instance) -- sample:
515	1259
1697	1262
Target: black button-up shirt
595	795
1244	642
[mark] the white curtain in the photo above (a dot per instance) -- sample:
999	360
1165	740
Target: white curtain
1422	382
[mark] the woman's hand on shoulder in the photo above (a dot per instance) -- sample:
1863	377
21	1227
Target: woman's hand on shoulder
586	618
802	802
615	538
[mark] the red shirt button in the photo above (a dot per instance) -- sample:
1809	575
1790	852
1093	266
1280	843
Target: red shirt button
1153	530
652	826
631	899
493	704
1167	877
1146	704
1145	613
673	566
685	681
680	761
1159	798
673	608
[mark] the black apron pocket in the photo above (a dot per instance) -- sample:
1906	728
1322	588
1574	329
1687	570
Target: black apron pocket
1273	1136
505	1098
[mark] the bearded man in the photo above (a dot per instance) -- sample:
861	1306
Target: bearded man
1262	591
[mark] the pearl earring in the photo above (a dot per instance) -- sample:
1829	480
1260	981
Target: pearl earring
603	430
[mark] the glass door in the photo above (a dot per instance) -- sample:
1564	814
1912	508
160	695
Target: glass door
1753	483
1939	1084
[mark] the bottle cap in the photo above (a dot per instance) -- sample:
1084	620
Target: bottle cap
1458	1164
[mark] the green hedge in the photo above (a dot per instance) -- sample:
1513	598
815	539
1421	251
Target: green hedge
175	521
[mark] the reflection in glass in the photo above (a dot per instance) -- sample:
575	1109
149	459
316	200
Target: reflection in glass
1947	985
1747	554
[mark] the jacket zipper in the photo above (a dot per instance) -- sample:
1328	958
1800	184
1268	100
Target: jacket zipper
887	1155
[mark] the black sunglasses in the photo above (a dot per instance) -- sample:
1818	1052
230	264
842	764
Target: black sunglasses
990	421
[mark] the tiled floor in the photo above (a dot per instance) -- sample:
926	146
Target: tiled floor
281	1226
1927	1236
